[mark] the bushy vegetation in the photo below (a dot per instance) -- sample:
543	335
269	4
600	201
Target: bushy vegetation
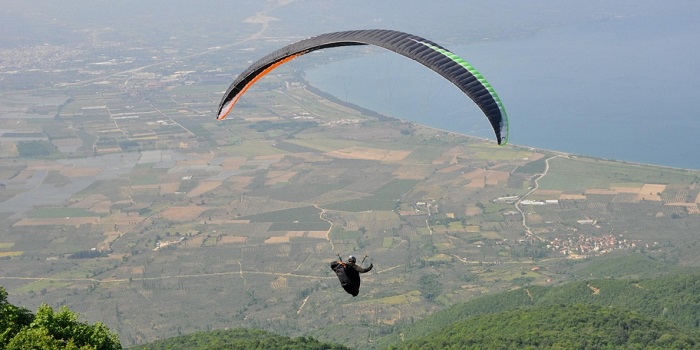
658	313
559	327
238	339
36	148
672	299
21	330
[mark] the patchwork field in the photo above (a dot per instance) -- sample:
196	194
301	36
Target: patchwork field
158	226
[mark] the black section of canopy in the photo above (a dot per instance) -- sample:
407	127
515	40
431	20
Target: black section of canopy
408	45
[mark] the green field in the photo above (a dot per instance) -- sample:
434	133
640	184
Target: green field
324	144
60	213
301	214
360	205
342	235
576	175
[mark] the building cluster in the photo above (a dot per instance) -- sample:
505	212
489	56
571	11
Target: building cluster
586	245
14	60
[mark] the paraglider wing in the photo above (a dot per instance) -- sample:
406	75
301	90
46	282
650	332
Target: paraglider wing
424	51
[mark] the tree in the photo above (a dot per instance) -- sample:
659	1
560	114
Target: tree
19	329
12	319
430	287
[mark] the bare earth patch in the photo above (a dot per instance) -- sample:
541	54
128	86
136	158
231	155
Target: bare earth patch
651	192
548	193
317	234
89	201
10	254
482	177
414	172
451	168
472	211
74	172
277	240
632	190
240	182
565	196
357	152
203	187
279	283
195	242
449	157
183	213
232	240
293	234
275	177
169	188
110	236
233	163
692	208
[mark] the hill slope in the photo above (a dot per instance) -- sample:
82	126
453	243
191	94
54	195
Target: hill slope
559	327
675	299
238	339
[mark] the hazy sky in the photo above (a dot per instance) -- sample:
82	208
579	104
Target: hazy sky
56	21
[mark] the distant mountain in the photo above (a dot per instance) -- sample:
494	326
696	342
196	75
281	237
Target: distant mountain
240	339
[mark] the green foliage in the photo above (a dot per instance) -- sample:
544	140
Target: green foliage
395	189
88	254
534	167
36	338
20	330
128	145
580	173
360	205
301	214
430	287
629	265
241	339
559	327
295	126
12	319
339	234
671	299
36	148
384	198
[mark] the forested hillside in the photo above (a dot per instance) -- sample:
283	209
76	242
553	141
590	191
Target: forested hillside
631	313
559	327
672	299
238	339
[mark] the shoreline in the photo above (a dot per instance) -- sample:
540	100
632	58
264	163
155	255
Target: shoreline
299	76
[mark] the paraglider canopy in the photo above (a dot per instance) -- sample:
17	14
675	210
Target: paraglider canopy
421	50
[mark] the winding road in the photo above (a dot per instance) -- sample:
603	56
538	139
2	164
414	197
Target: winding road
533	189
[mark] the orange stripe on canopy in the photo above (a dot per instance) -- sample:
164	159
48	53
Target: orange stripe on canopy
223	114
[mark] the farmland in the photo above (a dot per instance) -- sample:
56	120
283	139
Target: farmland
129	203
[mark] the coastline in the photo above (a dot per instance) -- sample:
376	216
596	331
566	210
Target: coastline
299	77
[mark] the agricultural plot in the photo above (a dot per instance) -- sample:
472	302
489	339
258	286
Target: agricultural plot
205	224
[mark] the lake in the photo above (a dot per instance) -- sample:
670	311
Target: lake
625	88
